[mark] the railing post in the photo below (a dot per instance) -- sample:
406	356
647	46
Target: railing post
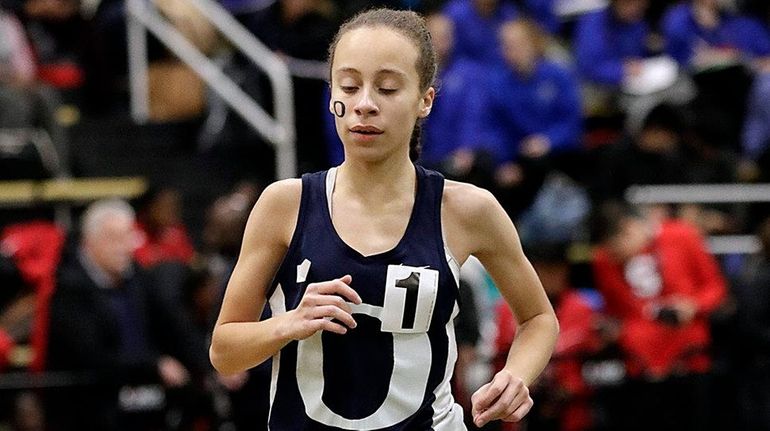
277	129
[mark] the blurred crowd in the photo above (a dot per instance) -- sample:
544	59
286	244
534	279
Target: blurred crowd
556	106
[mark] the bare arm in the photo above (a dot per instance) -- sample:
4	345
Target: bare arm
240	341
486	232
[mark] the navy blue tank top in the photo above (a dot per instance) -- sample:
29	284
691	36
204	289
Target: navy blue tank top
392	371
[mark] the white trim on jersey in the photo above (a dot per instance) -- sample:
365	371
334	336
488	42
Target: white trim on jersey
447	414
277	306
454	266
331	180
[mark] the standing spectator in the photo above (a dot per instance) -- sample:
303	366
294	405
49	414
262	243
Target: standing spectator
661	283
300	29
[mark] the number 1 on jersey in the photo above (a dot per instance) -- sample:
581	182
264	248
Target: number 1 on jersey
410	295
412	286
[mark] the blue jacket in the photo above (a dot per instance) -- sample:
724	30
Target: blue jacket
455	118
602	44
683	33
476	37
548	103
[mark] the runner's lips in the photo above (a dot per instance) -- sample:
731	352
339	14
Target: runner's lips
366	130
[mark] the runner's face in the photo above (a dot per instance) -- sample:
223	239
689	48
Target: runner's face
374	74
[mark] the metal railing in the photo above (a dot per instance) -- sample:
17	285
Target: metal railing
707	194
278	131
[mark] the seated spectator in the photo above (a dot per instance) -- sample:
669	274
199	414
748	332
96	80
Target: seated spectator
455	118
721	49
247	394
476	27
623	72
611	43
708	162
533	113
660	282
57	28
105	318
702	34
654	155
30	254
564	397
163	236
536	98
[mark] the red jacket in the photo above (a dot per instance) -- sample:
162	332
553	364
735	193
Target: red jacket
171	244
578	340
36	248
677	264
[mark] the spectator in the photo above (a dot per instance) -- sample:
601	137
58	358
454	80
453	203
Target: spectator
537	99
57	30
660	282
476	26
163	235
103	317
708	162
621	67
300	29
610	43
247	393
717	46
701	34
654	155
564	397
533	113
455	117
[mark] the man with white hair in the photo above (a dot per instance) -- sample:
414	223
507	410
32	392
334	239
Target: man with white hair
101	324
